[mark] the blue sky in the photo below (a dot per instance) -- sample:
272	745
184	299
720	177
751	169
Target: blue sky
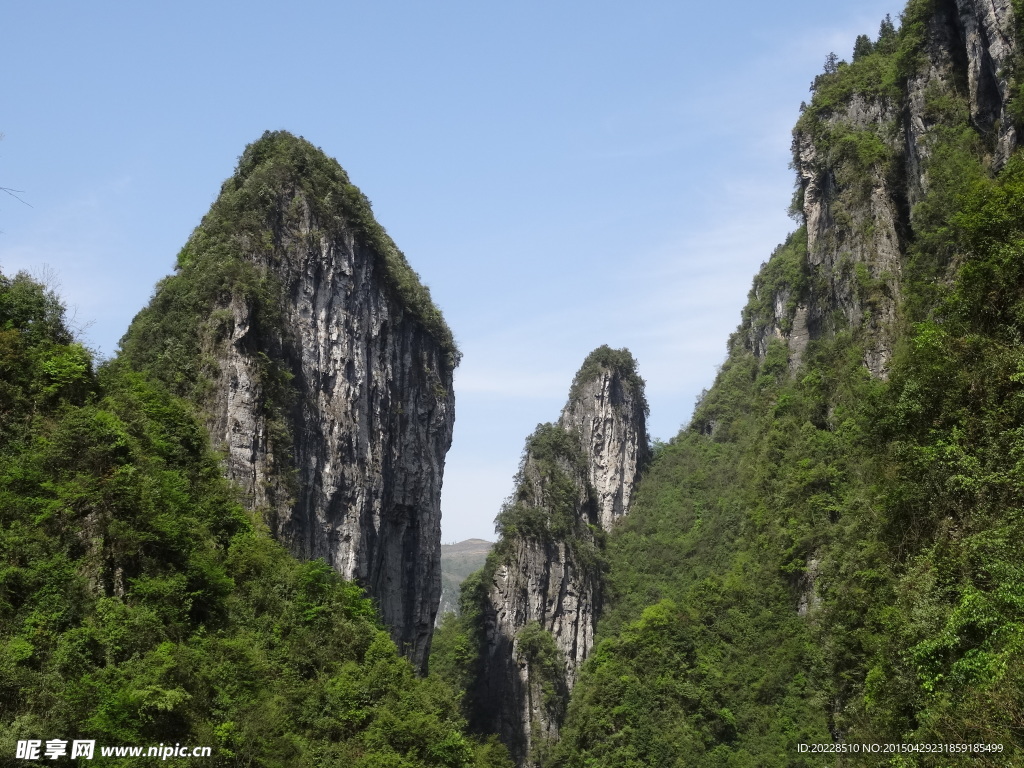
562	175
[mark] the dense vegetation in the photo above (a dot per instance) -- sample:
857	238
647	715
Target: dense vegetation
824	556
140	604
551	495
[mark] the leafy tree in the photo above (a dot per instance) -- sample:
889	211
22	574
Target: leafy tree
886	33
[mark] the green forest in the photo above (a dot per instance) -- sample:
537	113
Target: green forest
821	556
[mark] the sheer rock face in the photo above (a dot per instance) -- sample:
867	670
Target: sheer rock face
612	426
853	238
331	400
986	34
543	582
553	582
370	426
858	218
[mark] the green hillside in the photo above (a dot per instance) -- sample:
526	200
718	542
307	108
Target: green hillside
139	603
458	561
827	557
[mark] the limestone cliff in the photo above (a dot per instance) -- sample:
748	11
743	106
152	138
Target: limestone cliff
605	411
323	372
804	540
861	152
543	584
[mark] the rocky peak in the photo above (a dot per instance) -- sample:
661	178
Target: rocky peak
543	584
323	371
608	410
861	151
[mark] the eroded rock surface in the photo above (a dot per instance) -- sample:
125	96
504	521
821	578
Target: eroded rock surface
325	384
544	590
861	160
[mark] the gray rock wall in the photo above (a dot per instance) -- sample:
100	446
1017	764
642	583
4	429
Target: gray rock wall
323	372
367	430
612	427
858	219
552	581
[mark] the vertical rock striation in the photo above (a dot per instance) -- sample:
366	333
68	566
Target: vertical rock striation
323	371
606	413
542	587
861	156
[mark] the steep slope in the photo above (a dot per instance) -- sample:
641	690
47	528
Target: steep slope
534	606
861	150
141	605
827	553
323	372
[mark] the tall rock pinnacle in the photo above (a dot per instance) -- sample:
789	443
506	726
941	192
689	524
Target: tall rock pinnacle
544	583
322	369
607	410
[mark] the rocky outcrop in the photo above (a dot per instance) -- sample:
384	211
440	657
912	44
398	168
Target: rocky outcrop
544	587
861	156
985	32
328	376
605	412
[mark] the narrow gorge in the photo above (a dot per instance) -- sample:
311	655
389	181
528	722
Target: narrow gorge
228	535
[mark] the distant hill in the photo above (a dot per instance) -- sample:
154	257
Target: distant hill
457	562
